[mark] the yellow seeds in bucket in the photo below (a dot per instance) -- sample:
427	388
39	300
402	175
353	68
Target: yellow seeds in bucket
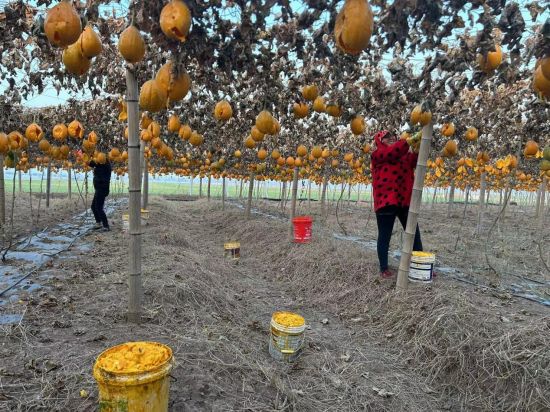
422	254
288	319
134	357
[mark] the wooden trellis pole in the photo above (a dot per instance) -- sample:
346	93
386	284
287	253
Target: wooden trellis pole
250	193
324	198
309	195
223	193
414	209
134	279
69	183
481	202
451	199
2	193
541	211
208	188
540	198
293	201
48	183
145	196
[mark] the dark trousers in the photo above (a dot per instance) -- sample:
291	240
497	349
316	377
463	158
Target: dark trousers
385	218
98	202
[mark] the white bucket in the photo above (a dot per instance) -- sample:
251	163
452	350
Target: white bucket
126	222
422	267
285	343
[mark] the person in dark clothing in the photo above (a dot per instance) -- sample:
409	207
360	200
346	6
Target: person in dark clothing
392	168
102	182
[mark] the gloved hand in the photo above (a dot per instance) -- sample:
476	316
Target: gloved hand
414	141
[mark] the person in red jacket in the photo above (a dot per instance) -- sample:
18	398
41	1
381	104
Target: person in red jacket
393	165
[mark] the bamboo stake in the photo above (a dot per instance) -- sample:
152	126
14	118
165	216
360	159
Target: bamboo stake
2	193
145	195
48	184
451	199
324	197
283	196
542	200
20	183
208	188
223	193
69	182
414	210
134	176
250	193
309	195
85	190
293	201
481	202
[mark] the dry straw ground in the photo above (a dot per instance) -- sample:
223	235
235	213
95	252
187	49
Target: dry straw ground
447	347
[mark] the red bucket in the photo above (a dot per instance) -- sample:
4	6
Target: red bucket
302	229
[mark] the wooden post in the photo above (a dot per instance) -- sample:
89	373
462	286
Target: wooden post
319	187
451	198
293	201
250	192
85	190
309	195
134	176
541	210
223	193
358	194
481	202
324	197
191	186
283	195
200	187
414	210
2	193
145	195
208	189
20	183
69	182
241	189
48	183
349	193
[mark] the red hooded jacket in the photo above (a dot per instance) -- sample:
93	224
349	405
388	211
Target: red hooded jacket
392	173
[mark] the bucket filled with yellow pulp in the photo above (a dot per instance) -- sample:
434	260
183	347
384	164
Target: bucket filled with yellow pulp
232	250
134	377
422	267
287	336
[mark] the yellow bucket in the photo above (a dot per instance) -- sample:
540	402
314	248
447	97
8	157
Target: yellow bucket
138	389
